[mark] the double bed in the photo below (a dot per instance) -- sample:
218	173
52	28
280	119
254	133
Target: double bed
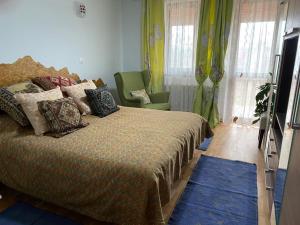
119	169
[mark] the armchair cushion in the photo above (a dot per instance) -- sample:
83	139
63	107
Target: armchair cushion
160	97
158	106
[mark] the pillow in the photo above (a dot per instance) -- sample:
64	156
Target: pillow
60	81
101	101
44	83
30	107
142	94
79	96
10	105
98	83
24	87
62	115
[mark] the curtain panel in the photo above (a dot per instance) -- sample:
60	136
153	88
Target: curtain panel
213	33
153	43
249	58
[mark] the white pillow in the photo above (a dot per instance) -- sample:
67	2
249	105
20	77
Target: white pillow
79	96
29	104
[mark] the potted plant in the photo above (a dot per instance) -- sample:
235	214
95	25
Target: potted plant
262	101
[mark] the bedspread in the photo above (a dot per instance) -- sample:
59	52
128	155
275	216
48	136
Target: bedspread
118	169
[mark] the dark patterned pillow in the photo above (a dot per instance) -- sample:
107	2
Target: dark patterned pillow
10	105
44	83
101	101
62	115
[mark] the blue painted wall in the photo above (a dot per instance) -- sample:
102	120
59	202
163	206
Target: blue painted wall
131	27
51	32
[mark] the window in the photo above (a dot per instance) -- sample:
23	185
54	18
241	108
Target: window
181	31
181	45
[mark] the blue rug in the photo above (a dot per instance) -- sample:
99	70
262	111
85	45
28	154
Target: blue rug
24	214
219	192
279	186
205	144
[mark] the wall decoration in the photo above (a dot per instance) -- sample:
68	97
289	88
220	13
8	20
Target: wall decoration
82	10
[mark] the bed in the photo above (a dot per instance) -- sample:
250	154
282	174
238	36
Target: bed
119	169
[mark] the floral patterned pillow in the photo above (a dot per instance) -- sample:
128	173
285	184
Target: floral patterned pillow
142	94
24	87
62	115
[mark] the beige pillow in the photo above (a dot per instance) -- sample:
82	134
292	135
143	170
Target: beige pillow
29	104
142	94
79	96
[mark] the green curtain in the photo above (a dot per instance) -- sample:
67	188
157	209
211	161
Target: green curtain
153	43
213	33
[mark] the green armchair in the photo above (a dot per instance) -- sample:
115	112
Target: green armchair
132	81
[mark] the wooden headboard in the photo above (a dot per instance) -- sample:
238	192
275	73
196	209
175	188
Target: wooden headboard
25	69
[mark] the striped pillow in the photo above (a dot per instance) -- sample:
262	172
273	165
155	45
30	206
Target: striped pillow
60	81
10	105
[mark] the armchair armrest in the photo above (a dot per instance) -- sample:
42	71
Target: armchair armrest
160	97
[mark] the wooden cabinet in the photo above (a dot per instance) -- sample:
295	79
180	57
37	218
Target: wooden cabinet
290	207
293	18
282	128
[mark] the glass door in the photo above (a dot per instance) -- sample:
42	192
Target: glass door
282	16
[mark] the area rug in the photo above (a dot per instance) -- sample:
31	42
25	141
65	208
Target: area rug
219	192
205	144
24	214
279	189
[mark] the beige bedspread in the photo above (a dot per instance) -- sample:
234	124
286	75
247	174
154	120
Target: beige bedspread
118	169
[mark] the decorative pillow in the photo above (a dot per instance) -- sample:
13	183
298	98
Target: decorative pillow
79	96
60	81
98	83
30	107
24	87
101	101
44	83
62	115
142	94
10	105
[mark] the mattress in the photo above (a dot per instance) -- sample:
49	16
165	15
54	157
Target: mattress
119	169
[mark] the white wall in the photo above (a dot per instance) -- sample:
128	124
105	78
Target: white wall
131	27
52	33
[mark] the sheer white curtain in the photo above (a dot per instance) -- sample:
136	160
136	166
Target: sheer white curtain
181	19
249	57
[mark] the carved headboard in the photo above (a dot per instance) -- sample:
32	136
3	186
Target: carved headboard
25	69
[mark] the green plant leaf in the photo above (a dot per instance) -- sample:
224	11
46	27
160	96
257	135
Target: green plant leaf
255	121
